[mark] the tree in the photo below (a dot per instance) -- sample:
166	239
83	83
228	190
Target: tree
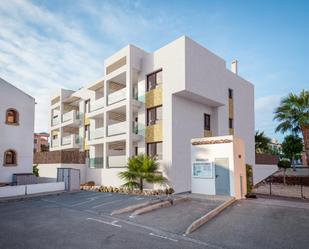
35	170
293	115
292	147
141	168
261	142
284	164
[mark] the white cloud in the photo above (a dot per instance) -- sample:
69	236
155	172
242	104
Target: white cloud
40	52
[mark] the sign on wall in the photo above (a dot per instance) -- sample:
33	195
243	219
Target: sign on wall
202	170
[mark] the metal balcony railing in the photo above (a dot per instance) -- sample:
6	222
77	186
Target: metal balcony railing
96	163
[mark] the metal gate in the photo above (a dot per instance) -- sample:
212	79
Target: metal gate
70	177
222	176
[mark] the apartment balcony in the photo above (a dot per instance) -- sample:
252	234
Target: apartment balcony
96	163
117	129
117	161
55	143
70	142
55	121
96	136
97	104
117	96
71	118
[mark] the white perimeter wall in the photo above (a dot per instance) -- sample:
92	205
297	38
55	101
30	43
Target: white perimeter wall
16	137
50	170
262	171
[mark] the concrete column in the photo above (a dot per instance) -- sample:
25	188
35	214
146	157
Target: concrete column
129	109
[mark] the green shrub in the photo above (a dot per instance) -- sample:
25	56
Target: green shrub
35	170
284	164
249	178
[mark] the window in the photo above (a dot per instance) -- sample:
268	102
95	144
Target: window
12	117
35	141
154	150
87	132
87	106
230	123
154	115
230	93
136	150
10	158
154	80
206	122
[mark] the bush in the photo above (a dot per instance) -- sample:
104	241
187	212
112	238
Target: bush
249	178
284	164
35	170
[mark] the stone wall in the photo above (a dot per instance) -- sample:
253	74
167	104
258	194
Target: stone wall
266	159
51	157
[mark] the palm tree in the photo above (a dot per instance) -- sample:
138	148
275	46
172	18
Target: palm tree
293	115
261	142
141	168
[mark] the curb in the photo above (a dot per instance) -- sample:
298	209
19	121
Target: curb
207	217
132	208
152	207
162	204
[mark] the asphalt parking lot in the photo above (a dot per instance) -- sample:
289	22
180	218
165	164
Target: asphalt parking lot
82	220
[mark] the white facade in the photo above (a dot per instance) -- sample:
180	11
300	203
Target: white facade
15	136
194	82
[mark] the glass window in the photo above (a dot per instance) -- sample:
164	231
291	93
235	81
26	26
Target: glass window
230	93
10	157
154	150
154	80
231	123
154	115
12	116
87	106
207	122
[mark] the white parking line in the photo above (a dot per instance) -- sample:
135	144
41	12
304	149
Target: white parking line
113	223
163	237
90	199
106	203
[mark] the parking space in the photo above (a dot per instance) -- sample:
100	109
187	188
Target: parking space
260	223
82	220
177	218
96	202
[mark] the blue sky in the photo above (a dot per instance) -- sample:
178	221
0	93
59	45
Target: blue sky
45	45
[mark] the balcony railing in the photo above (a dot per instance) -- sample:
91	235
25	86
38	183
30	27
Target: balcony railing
70	116
55	143
70	140
97	104
96	163
116	129
117	96
97	133
55	121
117	161
138	128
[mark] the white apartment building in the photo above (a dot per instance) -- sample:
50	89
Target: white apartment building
154	103
16	131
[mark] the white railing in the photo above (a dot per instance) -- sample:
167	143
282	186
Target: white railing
117	161
117	96
97	133
116	129
55	121
97	104
68	116
55	142
67	140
